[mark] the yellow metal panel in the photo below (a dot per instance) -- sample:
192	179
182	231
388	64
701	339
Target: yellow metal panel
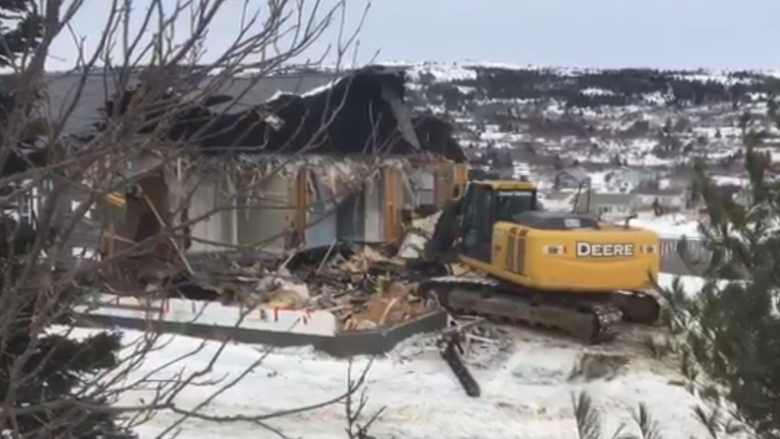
116	199
570	270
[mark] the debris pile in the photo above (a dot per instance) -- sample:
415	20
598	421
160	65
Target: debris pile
366	288
392	305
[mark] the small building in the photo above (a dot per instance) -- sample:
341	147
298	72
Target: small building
608	205
670	199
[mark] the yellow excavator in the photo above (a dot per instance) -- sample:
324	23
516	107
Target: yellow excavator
562	270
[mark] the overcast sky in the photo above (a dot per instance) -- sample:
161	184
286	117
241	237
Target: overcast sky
595	33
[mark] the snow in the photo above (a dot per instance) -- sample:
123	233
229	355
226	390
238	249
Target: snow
690	285
526	390
442	72
673	226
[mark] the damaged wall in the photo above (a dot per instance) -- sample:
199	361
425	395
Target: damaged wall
267	212
303	203
322	219
313	202
374	199
210	196
260	215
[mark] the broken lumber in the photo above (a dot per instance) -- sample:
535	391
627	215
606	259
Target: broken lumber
452	357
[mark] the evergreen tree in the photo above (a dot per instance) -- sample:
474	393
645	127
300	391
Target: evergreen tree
20	29
43	377
40	374
732	329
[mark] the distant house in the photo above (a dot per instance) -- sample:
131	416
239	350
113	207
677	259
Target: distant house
571	178
613	204
606	204
671	198
558	201
628	178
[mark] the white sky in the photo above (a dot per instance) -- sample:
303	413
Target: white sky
596	33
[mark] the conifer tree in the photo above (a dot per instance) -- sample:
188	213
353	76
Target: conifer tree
43	377
732	329
20	29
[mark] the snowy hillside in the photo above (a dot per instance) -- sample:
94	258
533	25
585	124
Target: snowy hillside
628	129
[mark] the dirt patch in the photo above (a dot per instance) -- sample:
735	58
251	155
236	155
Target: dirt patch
592	366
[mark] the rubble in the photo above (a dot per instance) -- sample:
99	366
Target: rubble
365	287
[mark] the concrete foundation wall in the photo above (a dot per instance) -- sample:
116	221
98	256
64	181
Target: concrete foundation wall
182	311
343	344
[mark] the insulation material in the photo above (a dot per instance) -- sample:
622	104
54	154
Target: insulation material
415	238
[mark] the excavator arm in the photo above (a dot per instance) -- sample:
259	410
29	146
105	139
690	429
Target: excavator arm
440	246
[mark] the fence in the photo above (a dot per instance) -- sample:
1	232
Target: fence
672	263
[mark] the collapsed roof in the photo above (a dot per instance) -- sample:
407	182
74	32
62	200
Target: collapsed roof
363	113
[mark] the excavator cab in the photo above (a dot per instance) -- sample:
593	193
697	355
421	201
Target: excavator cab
471	215
484	204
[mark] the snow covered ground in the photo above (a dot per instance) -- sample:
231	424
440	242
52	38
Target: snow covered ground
526	392
672	226
526	381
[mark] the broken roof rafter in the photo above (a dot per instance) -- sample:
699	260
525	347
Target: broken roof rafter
361	113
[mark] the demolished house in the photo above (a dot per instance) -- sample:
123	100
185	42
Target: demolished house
275	178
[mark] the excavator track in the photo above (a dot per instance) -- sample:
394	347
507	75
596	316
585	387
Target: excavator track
590	321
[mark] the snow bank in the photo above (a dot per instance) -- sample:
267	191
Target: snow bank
526	391
691	285
669	226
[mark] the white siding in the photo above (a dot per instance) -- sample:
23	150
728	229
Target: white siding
374	225
266	216
210	198
322	223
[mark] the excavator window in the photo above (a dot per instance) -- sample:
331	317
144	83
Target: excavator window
477	223
483	207
510	203
556	221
